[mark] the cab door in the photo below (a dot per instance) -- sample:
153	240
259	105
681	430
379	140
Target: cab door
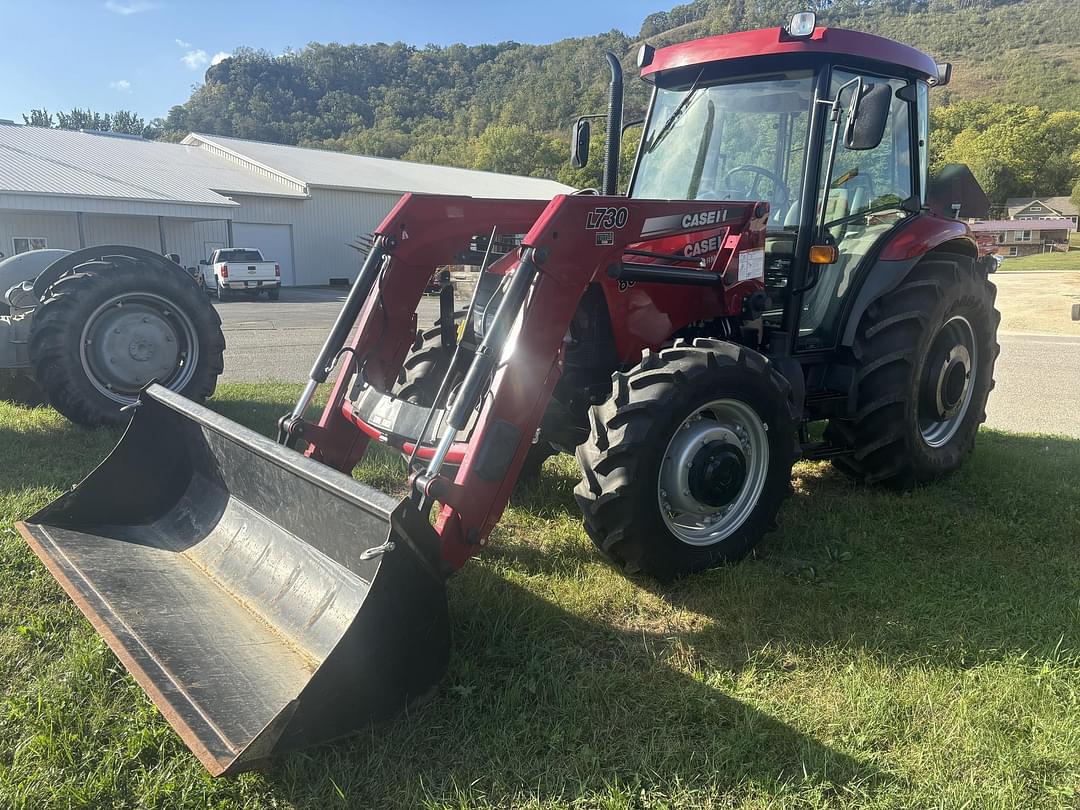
869	193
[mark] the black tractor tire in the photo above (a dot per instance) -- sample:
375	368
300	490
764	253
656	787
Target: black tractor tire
69	305
425	366
895	347
274	293
631	433
422	373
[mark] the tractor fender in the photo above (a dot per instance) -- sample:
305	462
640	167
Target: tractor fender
73	260
903	249
22	267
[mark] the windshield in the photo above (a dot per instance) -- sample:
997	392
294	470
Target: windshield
736	140
239	255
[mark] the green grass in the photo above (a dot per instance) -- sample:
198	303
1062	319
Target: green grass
1043	261
880	650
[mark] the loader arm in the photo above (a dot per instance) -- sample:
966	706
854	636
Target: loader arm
420	233
569	243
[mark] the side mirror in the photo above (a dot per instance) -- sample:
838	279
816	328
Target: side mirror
579	143
867	116
204	261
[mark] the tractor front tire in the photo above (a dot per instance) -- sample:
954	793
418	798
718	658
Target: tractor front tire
689	460
925	354
103	331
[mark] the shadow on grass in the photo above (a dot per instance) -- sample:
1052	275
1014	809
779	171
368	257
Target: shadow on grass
540	704
979	566
543	705
56	458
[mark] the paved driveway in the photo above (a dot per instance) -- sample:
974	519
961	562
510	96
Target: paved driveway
279	340
1038	376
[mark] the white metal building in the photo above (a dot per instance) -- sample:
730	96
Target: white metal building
300	207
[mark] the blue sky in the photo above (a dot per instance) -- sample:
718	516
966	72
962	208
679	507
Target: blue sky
146	55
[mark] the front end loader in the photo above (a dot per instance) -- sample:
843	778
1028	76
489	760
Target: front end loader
775	263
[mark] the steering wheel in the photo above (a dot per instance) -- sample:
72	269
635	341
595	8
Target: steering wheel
779	199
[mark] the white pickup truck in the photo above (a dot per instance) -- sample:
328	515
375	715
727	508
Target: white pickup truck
230	271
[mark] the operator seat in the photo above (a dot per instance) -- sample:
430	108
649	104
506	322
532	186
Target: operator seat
782	243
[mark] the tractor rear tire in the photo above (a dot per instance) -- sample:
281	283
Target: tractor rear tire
925	354
102	332
711	416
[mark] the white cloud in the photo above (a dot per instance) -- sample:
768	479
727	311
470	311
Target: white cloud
219	57
128	7
195	59
121	85
181	43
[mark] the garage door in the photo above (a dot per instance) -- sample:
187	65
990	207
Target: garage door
273	241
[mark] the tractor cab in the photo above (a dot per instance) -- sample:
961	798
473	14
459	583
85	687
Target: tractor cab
826	125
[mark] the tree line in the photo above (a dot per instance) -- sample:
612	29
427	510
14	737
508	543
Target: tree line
122	121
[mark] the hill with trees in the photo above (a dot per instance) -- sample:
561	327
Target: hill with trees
1010	111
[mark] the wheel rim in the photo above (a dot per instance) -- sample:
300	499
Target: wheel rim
134	338
713	472
948	382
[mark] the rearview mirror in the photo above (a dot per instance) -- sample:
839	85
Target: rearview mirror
867	116
579	143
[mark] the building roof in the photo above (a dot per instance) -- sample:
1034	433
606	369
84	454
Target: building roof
98	172
54	162
320	167
1062	205
1021	225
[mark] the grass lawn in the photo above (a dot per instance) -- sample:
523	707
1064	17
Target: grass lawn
881	650
1043	261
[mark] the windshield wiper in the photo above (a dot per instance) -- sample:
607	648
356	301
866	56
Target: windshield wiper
678	111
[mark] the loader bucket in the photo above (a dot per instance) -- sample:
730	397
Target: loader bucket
229	575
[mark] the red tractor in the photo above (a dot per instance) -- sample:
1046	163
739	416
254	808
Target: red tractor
781	258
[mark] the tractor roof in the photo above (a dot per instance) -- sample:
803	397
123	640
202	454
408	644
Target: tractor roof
773	42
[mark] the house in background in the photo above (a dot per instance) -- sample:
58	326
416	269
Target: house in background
1041	208
1016	237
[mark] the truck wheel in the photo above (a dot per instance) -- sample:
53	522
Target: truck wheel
103	331
925	354
223	294
274	293
689	460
